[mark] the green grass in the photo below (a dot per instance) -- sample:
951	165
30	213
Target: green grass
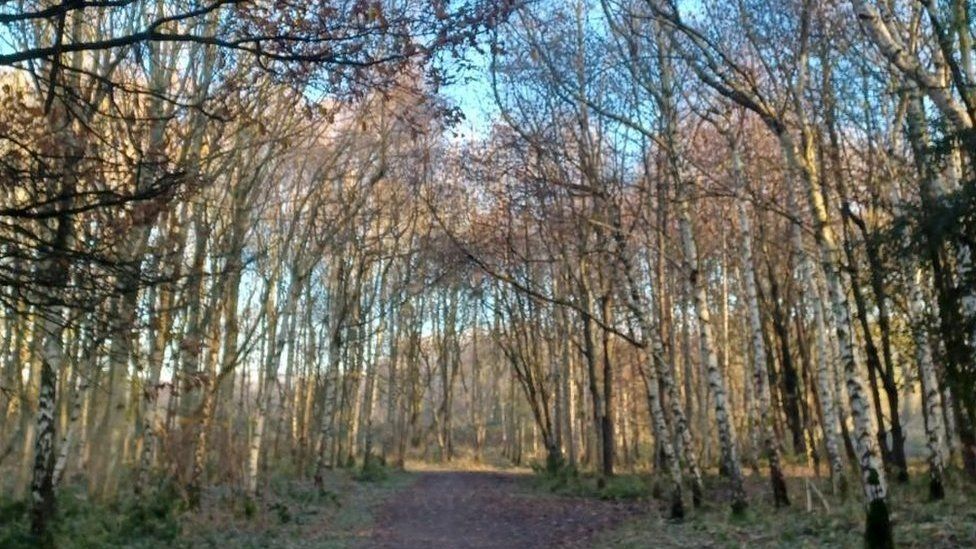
374	469
917	522
150	522
566	480
290	514
297	514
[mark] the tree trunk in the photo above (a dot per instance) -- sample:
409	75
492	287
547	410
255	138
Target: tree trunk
716	381
878	531
760	374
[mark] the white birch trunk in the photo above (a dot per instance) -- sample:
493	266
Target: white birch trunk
760	374
270	380
878	528
641	311
716	381
934	426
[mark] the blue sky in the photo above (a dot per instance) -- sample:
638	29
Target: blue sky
471	92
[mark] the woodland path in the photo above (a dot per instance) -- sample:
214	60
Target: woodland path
481	510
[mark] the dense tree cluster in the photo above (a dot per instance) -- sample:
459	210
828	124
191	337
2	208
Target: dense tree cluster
237	237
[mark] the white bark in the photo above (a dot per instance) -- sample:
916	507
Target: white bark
899	56
651	376
869	461
716	381
270	375
68	440
760	374
934	426
825	386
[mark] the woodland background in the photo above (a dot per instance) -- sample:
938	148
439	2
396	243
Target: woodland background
708	242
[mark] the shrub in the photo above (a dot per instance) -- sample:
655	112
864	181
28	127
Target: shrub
373	470
624	487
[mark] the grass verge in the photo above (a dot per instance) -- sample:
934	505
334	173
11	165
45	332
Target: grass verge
289	514
917	522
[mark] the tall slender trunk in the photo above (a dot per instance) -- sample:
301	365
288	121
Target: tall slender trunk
53	272
370	391
607	426
650	373
760	374
825	383
278	331
893	454
327	418
42	482
878	527
716	380
952	307
79	397
935	429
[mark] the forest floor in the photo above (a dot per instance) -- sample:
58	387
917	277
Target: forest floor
488	510
492	508
811	521
468	506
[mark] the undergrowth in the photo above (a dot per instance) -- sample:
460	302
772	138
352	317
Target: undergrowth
917	522
374	469
288	512
127	522
569	481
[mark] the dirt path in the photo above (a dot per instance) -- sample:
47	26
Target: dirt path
467	510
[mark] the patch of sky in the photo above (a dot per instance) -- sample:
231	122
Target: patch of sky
469	90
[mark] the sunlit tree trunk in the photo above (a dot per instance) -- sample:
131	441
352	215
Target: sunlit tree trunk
650	372
716	380
878	529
